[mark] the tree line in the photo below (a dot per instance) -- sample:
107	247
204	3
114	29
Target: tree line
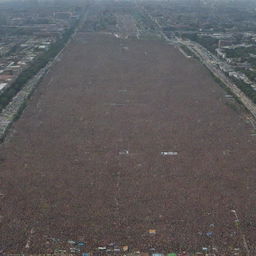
35	67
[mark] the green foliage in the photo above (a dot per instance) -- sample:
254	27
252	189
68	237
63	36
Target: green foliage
34	68
240	52
250	74
3	19
247	89
13	50
208	42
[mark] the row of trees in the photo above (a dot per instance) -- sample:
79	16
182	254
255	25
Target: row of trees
240	52
34	68
247	89
208	42
250	74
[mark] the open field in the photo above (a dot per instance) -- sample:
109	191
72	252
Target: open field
84	161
